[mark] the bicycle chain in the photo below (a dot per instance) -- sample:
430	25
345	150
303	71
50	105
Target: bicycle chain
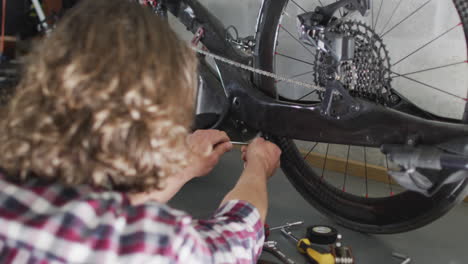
363	89
274	76
255	70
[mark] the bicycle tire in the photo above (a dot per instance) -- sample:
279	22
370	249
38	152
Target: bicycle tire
394	214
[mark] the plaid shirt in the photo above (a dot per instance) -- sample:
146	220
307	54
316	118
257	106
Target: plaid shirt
51	223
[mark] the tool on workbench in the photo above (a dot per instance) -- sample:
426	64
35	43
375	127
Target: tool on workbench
342	254
267	228
305	247
327	235
406	259
287	225
271	247
322	234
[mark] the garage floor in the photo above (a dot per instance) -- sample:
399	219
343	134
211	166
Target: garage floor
442	242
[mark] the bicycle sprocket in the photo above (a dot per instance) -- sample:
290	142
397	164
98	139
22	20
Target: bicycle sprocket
368	74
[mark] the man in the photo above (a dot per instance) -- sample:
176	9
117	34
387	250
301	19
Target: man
95	142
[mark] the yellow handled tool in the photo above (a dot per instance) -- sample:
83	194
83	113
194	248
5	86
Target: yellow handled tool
304	246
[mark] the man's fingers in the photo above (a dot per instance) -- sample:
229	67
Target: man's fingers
258	140
222	148
217	137
205	141
212	136
220	136
244	156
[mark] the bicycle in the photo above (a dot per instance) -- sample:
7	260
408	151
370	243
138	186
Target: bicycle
351	101
349	94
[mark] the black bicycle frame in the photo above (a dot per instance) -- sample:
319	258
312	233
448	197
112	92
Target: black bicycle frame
369	125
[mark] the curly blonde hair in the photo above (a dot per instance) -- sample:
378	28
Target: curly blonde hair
107	98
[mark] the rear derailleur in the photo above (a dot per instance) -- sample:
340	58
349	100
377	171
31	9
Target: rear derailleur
314	28
317	29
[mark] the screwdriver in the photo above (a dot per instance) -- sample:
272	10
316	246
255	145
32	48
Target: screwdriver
304	246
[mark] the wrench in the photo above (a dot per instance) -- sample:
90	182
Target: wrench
270	246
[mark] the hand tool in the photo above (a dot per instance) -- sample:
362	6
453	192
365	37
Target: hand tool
304	246
240	143
342	254
406	259
287	225
270	246
244	143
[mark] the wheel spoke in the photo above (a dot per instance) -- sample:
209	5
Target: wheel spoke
339	10
378	15
310	151
296	59
430	69
325	162
388	176
430	86
346	170
298	41
404	19
297	75
391	16
307	94
294	2
426	44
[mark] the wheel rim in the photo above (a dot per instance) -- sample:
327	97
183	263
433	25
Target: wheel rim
378	215
364	202
366	30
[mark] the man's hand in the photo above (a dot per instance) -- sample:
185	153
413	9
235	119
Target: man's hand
207	146
262	155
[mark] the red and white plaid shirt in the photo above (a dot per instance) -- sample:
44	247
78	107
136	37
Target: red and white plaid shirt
51	223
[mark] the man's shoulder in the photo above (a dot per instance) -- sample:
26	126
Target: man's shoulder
100	224
83	201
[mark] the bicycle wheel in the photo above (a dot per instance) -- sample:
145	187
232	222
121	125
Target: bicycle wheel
350	203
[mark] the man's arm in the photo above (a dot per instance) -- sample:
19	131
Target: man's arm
234	234
206	146
261	160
